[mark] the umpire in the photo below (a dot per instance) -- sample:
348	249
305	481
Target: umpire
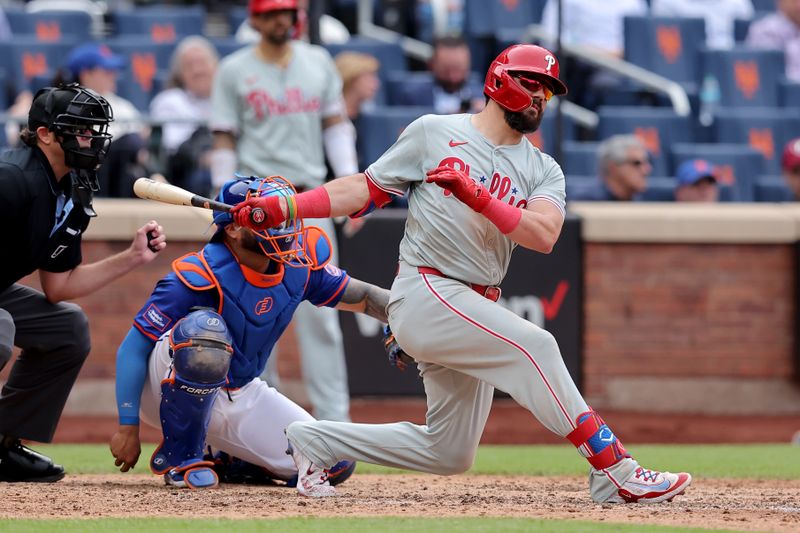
46	190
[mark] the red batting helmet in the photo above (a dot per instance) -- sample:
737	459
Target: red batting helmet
505	90
262	6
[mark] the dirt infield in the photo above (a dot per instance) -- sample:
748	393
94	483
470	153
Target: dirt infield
709	503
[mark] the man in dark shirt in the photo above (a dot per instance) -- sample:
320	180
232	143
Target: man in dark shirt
46	190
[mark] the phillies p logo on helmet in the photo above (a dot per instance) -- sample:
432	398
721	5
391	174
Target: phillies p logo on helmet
550	62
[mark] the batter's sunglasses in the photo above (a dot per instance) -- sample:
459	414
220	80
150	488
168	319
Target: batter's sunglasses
533	85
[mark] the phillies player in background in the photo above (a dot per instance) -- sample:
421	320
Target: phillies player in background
274	106
479	189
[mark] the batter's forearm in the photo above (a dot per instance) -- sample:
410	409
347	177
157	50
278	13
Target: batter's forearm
361	297
348	194
536	231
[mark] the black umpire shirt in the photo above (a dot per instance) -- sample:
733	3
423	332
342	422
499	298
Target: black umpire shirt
43	227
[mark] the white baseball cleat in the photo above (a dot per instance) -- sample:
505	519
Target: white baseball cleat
312	480
650	486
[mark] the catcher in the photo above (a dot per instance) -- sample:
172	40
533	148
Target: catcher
191	361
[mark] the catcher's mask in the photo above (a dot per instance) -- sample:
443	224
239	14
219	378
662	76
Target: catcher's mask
285	243
79	117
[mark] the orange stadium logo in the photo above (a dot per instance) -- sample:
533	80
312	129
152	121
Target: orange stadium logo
725	174
747	77
33	64
510	5
162	33
650	139
264	305
536	139
48	32
762	141
144	70
669	42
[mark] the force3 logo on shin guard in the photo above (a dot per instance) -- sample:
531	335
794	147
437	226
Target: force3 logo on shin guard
198	391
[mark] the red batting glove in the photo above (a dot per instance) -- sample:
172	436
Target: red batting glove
270	216
461	185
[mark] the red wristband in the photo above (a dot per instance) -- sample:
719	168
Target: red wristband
505	217
315	203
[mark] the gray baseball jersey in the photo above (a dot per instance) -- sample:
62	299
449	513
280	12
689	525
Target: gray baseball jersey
276	113
443	233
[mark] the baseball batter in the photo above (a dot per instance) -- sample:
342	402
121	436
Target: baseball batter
478	189
190	363
275	105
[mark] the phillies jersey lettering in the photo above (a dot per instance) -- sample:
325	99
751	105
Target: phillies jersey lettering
442	232
276	113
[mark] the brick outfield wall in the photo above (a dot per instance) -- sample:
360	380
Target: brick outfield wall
654	314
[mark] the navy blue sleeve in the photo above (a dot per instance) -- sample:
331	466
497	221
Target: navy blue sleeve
169	302
326	286
132	357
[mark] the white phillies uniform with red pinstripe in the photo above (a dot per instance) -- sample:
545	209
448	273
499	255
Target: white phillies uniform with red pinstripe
465	345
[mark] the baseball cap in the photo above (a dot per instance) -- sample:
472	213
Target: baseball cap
692	171
92	55
791	154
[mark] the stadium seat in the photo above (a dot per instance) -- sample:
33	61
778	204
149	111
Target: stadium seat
789	92
747	77
146	64
545	137
579	158
50	26
163	24
236	15
578	186
659	189
765	5
390	55
766	130
738	165
226	45
379	128
658	128
772	189
668	46
26	58
139	91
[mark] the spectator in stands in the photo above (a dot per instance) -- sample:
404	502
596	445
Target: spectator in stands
360	81
331	30
94	66
624	166
185	107
454	90
696	182
598	27
790	166
718	14
780	31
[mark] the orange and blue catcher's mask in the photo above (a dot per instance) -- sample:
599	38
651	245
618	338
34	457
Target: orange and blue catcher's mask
285	243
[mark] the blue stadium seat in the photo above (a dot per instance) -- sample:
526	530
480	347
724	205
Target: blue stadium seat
766	130
659	189
765	5
483	17
138	91
237	15
668	46
578	186
50	26
738	165
379	128
135	50
747	77
390	55
579	158
658	128
144	73
226	45
740	29
545	137
789	92
27	58
772	189
163	24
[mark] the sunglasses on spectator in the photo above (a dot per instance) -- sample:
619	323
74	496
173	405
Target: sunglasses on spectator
636	162
534	85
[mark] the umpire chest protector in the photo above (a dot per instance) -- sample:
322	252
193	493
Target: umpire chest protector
256	308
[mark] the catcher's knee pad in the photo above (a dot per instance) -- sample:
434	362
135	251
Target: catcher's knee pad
201	349
604	447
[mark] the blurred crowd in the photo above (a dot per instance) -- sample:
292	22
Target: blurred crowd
159	79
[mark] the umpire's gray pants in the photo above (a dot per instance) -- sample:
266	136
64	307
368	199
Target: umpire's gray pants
319	338
55	342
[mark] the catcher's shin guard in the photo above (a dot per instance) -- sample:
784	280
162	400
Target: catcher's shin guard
605	450
201	351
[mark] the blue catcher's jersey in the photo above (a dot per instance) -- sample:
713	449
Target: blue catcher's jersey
256	307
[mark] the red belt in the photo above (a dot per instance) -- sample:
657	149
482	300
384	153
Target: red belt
490	292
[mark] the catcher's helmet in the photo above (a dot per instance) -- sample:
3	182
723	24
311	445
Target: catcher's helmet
538	62
263	6
284	243
79	117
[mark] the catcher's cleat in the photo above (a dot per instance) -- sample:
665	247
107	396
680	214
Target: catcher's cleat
312	481
198	475
650	486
